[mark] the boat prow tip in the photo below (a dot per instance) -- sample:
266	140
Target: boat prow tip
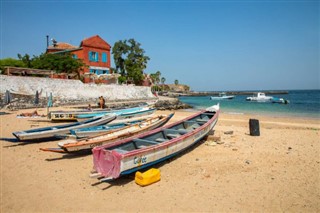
214	108
59	150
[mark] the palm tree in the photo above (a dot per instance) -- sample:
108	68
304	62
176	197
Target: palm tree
163	79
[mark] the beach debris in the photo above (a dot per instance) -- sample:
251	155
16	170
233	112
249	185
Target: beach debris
214	138
211	132
211	143
247	161
228	132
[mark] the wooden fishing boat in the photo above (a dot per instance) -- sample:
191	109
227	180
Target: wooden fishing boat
54	131
74	145
113	125
125	115
129	155
86	114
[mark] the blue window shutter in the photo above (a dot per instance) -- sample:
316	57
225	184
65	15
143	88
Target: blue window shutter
90	56
104	57
97	56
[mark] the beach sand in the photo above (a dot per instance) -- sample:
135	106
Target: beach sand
275	172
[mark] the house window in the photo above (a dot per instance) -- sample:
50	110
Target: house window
93	56
74	56
104	57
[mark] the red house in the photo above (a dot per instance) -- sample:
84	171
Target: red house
94	51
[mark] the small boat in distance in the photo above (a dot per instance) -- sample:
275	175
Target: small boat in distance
280	100
222	95
132	154
260	97
55	131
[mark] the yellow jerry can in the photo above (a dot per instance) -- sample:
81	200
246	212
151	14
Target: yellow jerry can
148	177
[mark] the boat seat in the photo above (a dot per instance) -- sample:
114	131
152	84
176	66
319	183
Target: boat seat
183	131
160	140
193	126
144	142
173	135
176	131
202	120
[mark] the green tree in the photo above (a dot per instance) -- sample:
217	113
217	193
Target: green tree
10	62
26	60
130	60
58	62
176	82
158	75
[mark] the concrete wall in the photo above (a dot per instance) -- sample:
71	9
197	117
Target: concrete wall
71	89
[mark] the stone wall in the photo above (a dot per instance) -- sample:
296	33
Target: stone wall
64	89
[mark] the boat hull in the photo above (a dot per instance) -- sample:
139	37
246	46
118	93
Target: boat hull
53	131
112	161
86	114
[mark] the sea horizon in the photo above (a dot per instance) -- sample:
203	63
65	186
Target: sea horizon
303	104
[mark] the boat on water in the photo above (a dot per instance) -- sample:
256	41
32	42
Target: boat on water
55	131
222	96
280	100
85	114
113	125
74	145
135	153
260	97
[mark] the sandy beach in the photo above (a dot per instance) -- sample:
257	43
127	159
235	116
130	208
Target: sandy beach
278	171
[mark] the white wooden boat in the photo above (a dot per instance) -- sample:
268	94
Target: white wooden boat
74	145
222	96
129	155
53	131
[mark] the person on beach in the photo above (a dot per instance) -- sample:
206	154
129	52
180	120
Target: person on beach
30	114
102	102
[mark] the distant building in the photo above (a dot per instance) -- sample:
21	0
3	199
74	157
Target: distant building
94	51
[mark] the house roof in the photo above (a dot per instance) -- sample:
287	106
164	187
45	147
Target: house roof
95	41
62	46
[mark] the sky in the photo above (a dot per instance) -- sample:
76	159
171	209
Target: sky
209	45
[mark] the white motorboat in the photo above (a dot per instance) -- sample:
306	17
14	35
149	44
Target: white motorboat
222	96
260	97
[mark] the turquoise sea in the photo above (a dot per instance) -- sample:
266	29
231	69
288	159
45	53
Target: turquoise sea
303	103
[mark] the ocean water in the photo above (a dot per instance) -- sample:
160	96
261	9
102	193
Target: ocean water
303	103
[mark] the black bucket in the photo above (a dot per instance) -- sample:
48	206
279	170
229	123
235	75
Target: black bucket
254	127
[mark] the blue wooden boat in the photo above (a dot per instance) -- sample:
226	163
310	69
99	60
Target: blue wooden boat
113	125
55	131
85	114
